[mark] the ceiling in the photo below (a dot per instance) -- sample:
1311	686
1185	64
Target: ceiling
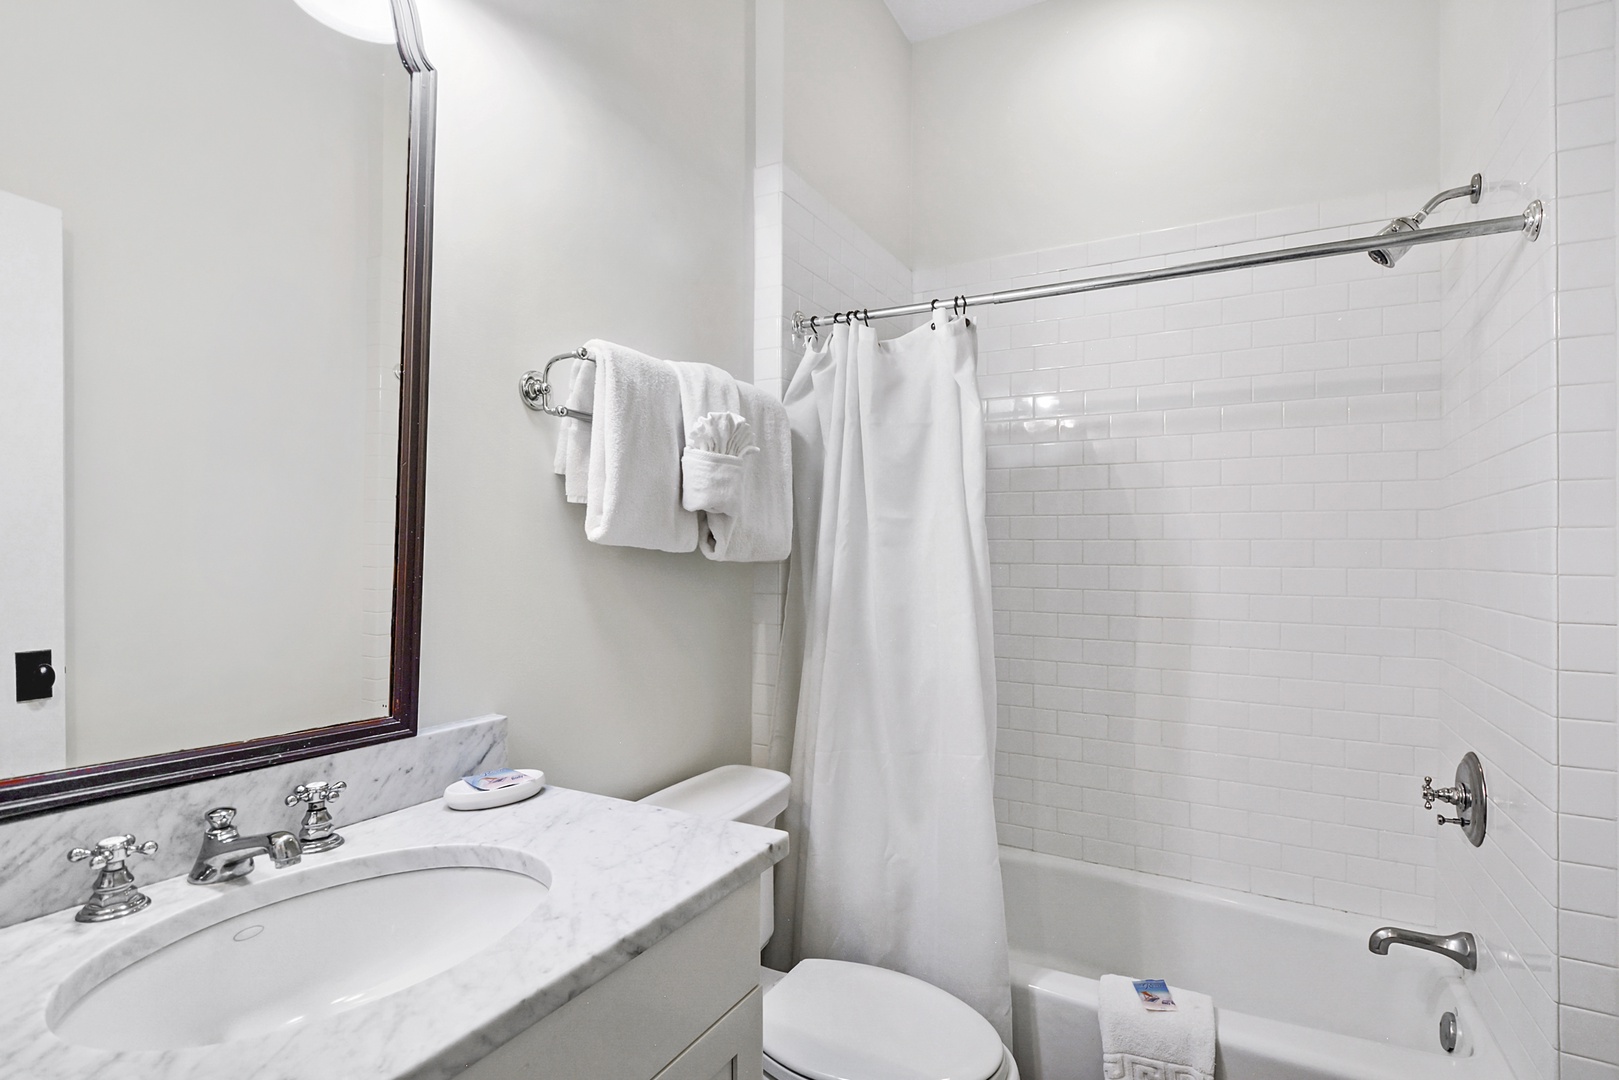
923	19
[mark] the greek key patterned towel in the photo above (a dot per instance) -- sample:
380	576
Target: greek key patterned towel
1146	1044
1130	1067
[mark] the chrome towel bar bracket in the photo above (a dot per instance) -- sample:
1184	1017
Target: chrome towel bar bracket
535	388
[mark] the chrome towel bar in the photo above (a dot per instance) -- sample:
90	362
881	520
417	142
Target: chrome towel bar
535	388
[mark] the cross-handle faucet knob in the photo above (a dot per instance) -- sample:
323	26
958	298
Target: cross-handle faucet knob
1456	796
114	894
317	833
317	794
111	851
220	818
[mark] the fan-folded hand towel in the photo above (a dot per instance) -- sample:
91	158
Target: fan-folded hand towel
1172	1045
635	447
717	448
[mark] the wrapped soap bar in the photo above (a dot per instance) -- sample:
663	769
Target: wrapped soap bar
498	787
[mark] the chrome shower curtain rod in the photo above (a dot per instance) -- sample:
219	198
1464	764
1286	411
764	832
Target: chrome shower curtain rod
1407	229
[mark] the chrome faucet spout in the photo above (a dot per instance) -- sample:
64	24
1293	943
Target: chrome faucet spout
1460	947
227	854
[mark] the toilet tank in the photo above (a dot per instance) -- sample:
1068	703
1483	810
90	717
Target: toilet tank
735	793
731	793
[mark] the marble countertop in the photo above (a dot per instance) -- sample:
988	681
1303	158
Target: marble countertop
623	877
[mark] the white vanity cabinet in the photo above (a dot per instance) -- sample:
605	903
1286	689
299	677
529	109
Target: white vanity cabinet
689	1008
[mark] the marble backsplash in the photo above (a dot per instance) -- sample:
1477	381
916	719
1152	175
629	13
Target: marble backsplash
36	878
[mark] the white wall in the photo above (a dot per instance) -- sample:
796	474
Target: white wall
216	449
847	114
1075	120
593	181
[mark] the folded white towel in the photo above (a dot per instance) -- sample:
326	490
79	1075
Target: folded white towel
1136	1043
759	526
705	389
573	442
635	447
711	484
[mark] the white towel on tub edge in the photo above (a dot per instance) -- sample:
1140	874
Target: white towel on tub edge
1142	1045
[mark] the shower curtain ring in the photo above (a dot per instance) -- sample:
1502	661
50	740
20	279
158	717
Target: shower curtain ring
865	316
933	309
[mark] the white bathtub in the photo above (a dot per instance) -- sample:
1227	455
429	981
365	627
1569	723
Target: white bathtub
1298	995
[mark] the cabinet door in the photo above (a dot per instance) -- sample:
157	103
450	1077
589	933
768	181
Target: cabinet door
730	1050
653	1011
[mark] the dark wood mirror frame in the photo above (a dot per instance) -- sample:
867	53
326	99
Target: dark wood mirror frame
25	796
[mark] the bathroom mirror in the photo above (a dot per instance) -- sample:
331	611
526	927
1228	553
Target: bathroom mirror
215	251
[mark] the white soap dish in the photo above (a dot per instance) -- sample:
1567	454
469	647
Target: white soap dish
462	795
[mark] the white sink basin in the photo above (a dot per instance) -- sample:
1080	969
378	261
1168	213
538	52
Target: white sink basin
298	957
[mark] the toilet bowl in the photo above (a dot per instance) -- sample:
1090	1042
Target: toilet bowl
833	1020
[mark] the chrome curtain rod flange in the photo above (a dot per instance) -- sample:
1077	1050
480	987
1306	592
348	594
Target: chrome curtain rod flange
535	388
1527	223
1533	218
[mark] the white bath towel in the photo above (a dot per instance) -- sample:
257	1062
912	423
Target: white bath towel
1142	1045
705	389
759	525
573	441
635	446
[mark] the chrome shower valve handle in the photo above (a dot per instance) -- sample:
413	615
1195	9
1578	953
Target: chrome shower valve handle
317	833
1467	796
1456	796
114	894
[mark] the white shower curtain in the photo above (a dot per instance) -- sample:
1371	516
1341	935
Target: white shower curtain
886	697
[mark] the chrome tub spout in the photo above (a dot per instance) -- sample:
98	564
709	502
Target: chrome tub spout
1460	947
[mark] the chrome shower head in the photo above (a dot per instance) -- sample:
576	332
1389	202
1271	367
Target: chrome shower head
1388	256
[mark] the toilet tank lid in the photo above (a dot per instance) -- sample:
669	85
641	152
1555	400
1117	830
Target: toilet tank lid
731	792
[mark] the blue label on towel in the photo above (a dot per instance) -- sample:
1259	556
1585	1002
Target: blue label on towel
1154	995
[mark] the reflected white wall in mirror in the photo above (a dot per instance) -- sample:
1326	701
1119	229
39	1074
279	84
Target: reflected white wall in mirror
231	184
33	732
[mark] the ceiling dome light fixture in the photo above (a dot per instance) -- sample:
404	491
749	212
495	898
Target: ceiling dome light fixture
368	20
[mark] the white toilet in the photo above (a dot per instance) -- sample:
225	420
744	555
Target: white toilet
830	1020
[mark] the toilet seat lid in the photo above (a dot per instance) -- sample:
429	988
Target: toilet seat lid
831	1020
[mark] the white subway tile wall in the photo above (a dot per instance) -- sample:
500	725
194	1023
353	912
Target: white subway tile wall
1587	845
1493	570
1204	522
